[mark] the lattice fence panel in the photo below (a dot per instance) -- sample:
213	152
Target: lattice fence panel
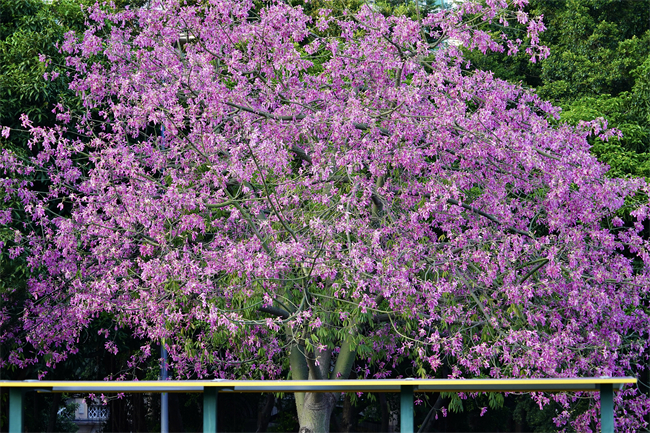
97	411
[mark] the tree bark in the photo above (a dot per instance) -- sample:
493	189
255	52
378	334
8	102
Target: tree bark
316	412
385	413
54	409
314	415
175	417
427	425
264	413
315	409
349	415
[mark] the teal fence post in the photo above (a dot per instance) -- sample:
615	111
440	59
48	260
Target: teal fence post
606	408
210	409
406	409
164	397
15	410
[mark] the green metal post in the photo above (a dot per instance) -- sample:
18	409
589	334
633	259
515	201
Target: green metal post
15	410
406	409
606	408
210	409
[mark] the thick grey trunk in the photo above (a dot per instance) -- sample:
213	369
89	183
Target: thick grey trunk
315	408
316	412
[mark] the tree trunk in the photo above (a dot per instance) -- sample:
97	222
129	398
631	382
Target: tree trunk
349	414
175	417
316	412
54	409
264	413
385	413
430	420
315	408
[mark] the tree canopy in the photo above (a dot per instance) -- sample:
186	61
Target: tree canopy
598	67
262	190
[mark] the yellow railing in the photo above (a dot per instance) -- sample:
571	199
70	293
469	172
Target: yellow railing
406	387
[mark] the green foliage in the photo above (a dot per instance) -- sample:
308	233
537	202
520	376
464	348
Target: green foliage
626	157
591	57
599	66
286	419
629	111
42	409
29	28
131	4
528	413
412	9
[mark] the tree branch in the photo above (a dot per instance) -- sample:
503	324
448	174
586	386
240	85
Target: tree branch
344	361
532	271
275	312
488	216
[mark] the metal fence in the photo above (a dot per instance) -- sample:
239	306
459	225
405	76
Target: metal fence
406	387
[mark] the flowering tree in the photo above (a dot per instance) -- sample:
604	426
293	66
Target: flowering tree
261	191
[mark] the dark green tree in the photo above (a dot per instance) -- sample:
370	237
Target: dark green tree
599	66
30	31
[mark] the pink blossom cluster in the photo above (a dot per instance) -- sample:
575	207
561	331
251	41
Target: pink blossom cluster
245	179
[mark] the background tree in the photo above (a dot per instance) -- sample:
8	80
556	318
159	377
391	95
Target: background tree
29	31
321	200
28	28
598	67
